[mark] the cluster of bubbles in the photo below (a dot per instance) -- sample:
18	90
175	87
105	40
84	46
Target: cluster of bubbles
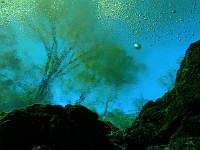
152	19
11	10
142	16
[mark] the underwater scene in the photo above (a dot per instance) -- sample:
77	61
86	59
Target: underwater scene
99	74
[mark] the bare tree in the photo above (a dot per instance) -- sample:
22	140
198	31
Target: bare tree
75	45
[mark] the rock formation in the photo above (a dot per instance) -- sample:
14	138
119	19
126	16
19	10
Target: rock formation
171	122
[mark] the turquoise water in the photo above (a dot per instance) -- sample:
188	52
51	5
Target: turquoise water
97	38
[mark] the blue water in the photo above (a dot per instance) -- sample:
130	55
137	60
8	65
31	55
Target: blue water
164	29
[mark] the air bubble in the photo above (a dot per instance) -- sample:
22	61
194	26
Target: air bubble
173	11
137	46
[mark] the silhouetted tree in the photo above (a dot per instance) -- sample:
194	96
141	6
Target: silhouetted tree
75	43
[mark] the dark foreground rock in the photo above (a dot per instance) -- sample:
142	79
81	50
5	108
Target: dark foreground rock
172	122
53	127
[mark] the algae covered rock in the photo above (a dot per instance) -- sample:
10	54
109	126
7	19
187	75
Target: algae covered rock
175	116
171	122
53	127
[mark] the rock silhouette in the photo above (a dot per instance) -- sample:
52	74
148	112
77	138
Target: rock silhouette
171	122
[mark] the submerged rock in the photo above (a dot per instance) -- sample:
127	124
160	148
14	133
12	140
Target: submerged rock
175	117
172	122
58	128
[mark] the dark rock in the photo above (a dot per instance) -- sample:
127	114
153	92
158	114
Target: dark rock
175	116
187	143
72	127
172	122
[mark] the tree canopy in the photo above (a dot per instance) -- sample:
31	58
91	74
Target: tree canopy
77	46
